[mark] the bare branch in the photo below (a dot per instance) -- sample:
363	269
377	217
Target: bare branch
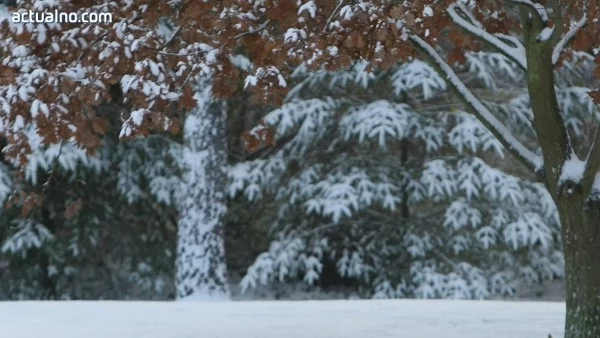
515	53
570	35
485	116
187	78
592	164
254	31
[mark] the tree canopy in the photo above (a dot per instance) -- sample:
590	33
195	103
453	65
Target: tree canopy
57	74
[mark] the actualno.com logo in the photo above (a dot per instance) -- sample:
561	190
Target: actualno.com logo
59	17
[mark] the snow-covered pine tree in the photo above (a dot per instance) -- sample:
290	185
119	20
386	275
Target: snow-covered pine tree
144	238
30	241
101	227
395	191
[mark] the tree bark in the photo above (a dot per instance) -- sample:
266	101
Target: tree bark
581	241
201	268
580	217
548	120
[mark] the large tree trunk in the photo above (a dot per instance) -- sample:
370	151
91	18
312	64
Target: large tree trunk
580	218
581	238
201	268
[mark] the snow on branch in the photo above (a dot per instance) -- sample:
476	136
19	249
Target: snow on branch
570	35
572	170
533	6
475	28
500	131
592	165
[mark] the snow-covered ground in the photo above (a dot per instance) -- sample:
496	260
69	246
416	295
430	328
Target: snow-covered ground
549	291
283	319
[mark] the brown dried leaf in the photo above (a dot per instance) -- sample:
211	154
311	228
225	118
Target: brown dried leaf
595	95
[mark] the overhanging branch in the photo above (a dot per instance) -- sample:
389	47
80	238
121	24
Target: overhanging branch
497	128
516	52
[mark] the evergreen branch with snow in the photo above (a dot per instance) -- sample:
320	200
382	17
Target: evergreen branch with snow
370	182
518	149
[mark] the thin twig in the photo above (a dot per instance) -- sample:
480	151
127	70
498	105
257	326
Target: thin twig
337	8
187	78
254	31
172	37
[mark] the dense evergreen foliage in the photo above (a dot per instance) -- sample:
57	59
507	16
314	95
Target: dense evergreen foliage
383	180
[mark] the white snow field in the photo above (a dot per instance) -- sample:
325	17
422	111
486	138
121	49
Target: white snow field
283	319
